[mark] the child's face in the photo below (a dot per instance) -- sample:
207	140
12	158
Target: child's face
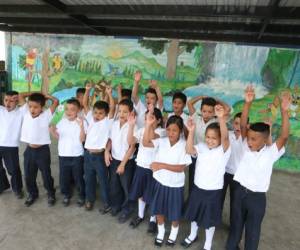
151	99
99	114
256	140
35	108
123	113
178	106
79	97
212	138
208	112
236	124
173	133
10	102
71	111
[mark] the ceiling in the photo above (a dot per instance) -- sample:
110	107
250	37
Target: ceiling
262	22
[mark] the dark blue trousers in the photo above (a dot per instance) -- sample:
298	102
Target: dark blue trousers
10	157
120	186
94	166
38	159
71	168
248	211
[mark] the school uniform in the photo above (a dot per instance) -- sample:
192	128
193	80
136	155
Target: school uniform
11	121
142	183
120	184
140	110
168	191
94	164
36	131
70	152
253	175
204	205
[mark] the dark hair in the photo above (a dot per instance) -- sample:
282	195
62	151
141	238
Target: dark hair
261	127
209	101
151	91
239	115
74	102
158	116
38	97
214	126
102	106
80	91
128	103
175	119
11	93
126	93
179	95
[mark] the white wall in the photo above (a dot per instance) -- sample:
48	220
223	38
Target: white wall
2	46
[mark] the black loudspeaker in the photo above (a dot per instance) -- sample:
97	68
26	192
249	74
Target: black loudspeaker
3	84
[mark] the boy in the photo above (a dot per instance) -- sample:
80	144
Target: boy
35	132
70	133
254	173
11	118
152	96
99	124
120	162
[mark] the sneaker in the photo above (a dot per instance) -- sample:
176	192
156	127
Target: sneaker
51	200
66	201
29	201
105	209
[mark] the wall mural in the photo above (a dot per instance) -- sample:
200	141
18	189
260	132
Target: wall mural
59	64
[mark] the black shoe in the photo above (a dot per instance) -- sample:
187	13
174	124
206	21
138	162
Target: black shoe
187	242
66	201
170	243
152	227
123	217
136	221
80	202
158	242
114	212
29	201
51	200
19	194
105	209
89	206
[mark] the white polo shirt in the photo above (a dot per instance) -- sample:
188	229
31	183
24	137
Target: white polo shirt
69	144
236	153
97	132
173	155
36	130
10	126
118	136
210	166
201	127
140	109
255	168
146	155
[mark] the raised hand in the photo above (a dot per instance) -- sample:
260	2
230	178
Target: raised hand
108	90
88	86
286	100
191	126
249	94
131	119
153	84
137	76
150	119
151	108
219	111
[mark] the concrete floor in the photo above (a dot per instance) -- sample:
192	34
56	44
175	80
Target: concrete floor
40	227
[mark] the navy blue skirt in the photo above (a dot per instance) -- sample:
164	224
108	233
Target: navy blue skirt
167	201
142	185
204	207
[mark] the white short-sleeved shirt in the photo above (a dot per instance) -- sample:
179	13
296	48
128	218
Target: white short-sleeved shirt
119	143
255	168
10	126
69	144
36	130
173	155
201	127
184	117
236	153
97	133
140	109
146	155
210	166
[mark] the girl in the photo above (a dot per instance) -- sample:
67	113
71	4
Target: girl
204	205
168	173
142	185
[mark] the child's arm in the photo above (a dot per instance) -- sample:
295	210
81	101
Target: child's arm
119	90
249	97
189	147
86	96
82	132
221	114
130	136
226	107
285	124
191	103
135	89
160	100
129	153
107	154
155	166
53	132
111	102
149	133
22	97
55	103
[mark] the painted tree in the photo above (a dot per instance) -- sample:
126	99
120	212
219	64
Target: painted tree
294	68
174	49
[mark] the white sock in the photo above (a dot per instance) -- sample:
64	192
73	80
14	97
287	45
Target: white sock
142	206
153	219
173	233
209	234
161	231
194	231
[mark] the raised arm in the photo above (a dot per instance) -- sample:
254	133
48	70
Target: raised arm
285	124
119	91
226	107
135	88
149	131
189	147
86	96
22	97
82	132
221	114
55	103
130	136
249	97
160	101
192	102
111	102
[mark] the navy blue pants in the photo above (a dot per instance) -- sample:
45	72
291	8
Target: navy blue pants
248	210
71	168
10	157
38	159
192	174
120	186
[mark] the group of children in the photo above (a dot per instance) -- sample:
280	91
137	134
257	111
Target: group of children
137	154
